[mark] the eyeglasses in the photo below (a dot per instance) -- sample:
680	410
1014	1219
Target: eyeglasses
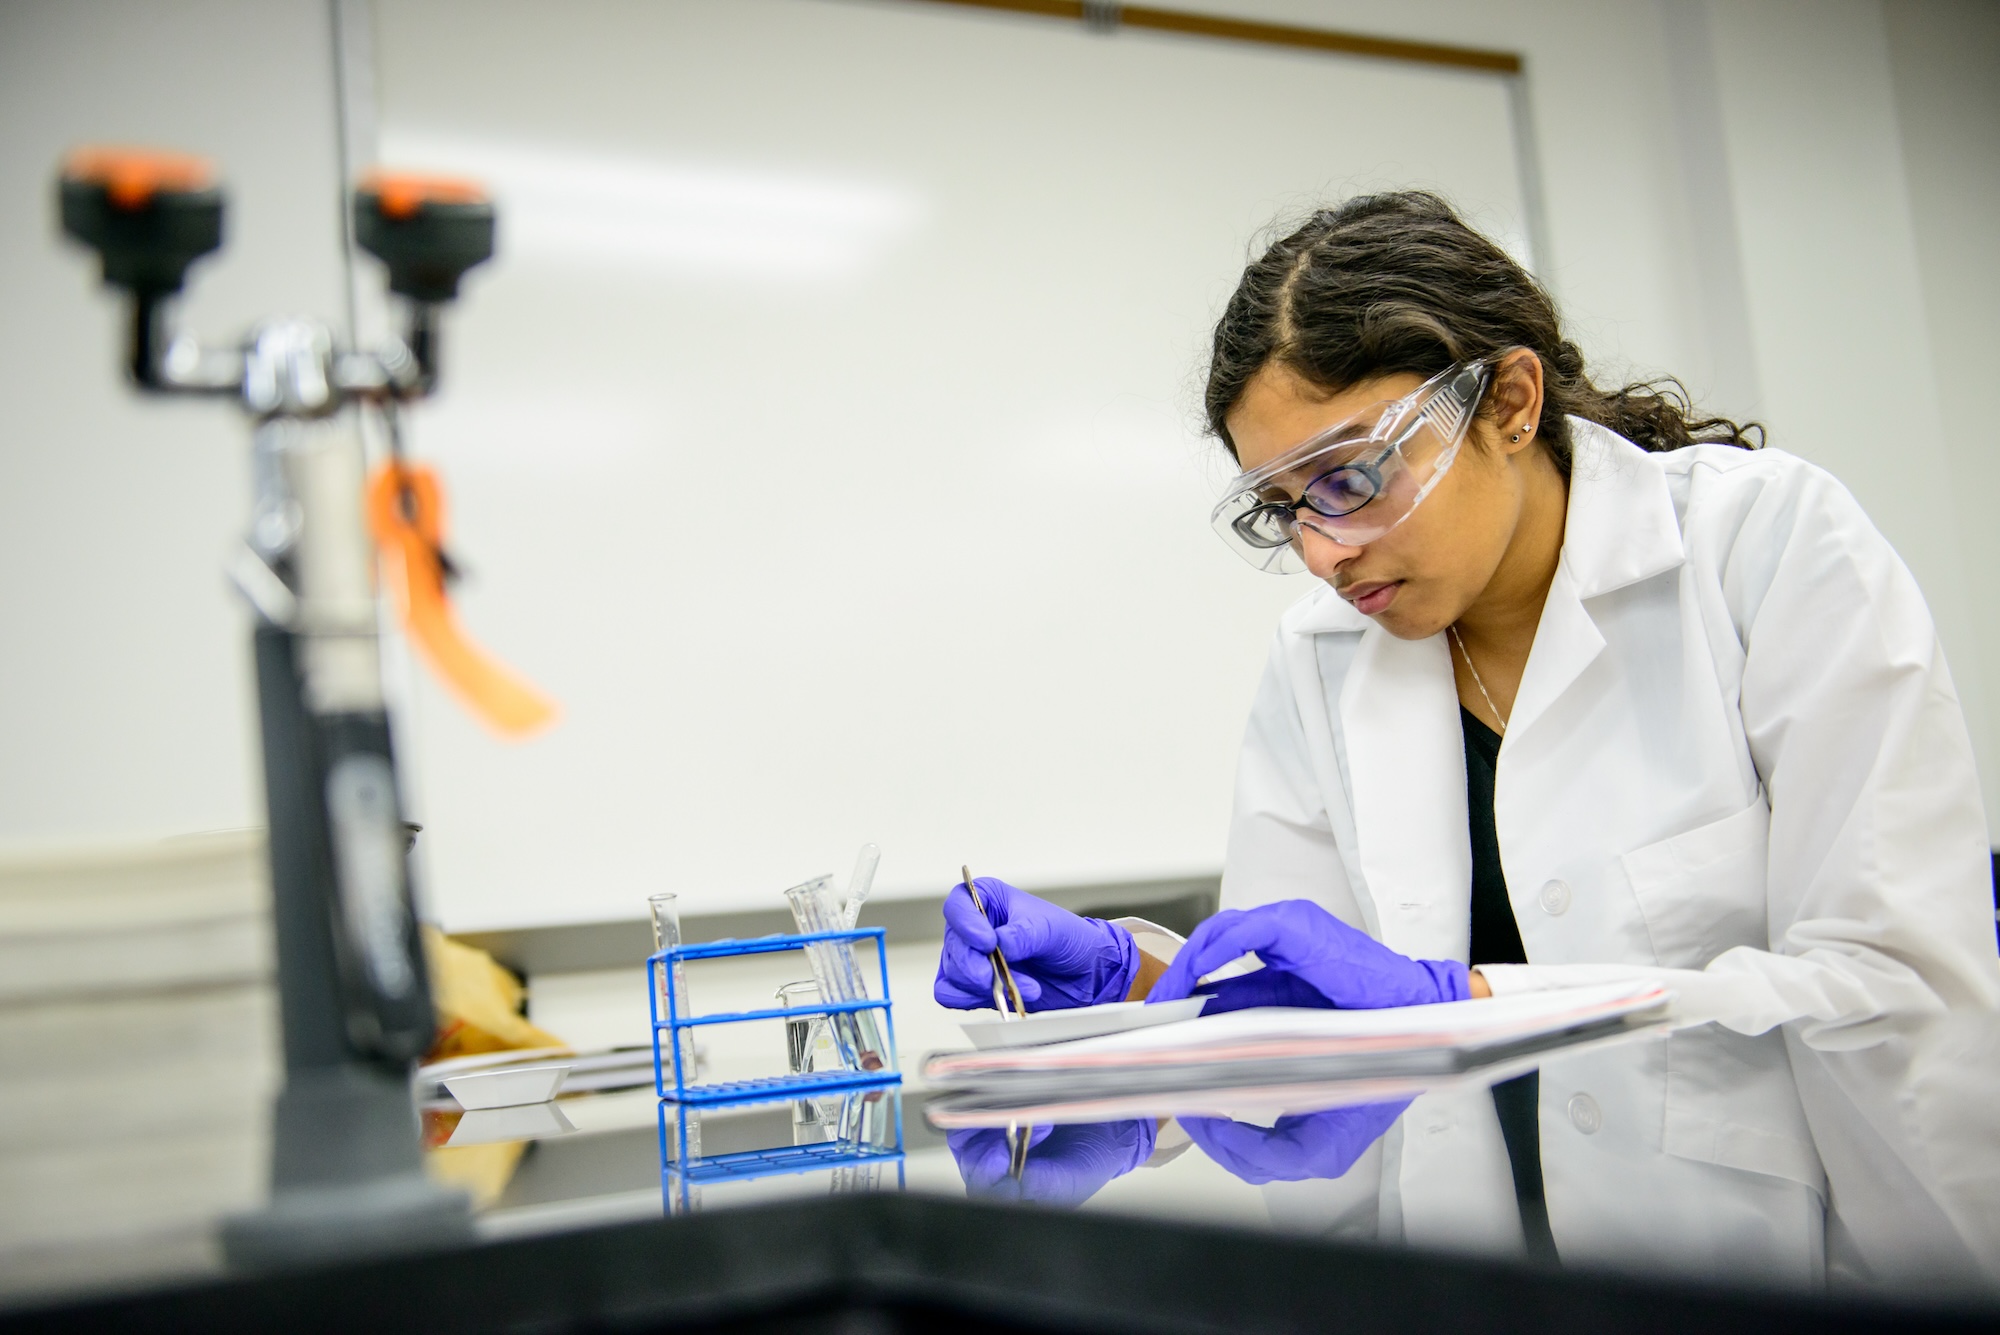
1356	480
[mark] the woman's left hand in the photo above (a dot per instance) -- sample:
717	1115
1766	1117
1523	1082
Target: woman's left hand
1311	958
1297	1146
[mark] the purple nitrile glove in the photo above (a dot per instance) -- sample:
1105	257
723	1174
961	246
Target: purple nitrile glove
1346	967
1297	1146
1059	960
1263	987
1066	1165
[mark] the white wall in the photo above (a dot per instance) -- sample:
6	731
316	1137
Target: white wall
125	696
832	460
1860	201
1945	57
1837	297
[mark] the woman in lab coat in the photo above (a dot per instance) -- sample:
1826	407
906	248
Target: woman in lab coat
1589	690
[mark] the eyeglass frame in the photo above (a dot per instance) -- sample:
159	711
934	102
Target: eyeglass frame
1372	468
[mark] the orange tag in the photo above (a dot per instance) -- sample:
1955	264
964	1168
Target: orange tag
406	514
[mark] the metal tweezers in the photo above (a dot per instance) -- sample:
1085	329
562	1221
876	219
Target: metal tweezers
1017	1136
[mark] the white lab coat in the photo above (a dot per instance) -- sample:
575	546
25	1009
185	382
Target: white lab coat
1736	761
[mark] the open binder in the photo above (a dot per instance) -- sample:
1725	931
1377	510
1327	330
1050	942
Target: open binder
1289	1046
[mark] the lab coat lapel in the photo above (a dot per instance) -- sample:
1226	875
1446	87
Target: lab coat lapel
1566	642
1620	528
1406	756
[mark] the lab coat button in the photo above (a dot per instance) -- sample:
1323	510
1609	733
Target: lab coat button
1584	1113
1555	898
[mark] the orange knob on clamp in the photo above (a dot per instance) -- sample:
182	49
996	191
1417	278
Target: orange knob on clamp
402	194
406	515
148	213
132	176
428	230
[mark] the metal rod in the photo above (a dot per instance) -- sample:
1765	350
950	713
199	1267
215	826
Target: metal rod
1001	973
1262	34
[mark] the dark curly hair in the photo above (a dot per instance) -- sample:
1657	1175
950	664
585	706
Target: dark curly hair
1399	282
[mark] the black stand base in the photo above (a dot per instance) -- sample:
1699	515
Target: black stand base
347	1172
348	1178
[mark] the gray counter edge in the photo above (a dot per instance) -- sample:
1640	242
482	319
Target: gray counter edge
1177	903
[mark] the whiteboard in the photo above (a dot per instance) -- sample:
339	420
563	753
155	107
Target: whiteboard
826	437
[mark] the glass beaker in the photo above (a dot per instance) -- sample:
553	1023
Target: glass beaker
809	1044
809	1047
666	910
857	1033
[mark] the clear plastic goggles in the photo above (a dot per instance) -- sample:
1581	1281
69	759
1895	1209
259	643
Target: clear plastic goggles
1357	479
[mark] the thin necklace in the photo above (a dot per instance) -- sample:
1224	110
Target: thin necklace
1459	640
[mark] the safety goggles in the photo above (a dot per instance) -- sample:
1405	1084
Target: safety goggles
1357	479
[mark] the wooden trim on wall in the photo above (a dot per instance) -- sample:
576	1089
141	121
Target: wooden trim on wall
1108	16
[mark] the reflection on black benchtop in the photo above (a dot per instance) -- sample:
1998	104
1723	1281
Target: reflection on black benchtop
1631	1182
579	1167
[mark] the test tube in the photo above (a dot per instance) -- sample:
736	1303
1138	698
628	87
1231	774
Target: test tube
859	883
667	936
686	1123
857	1033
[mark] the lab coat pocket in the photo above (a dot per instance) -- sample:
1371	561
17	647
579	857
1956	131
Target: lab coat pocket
1732	1101
1703	891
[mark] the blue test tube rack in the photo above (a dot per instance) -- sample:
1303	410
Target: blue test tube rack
681	1173
682	1088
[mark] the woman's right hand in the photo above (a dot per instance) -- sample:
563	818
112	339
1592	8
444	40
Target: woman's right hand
1065	1165
1059	959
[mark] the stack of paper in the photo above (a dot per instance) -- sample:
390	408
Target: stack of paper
1284	1045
